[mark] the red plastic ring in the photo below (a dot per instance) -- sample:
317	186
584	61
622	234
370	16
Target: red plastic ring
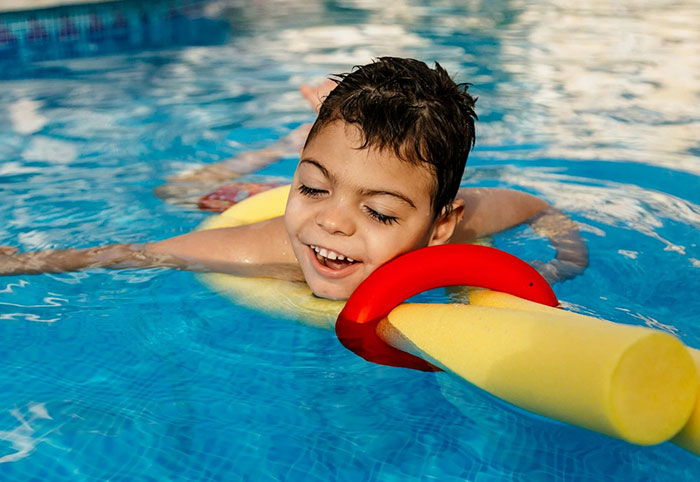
421	270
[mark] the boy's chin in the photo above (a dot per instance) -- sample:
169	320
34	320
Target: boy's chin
332	293
330	296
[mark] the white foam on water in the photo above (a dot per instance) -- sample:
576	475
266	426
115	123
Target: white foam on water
25	116
52	150
22	438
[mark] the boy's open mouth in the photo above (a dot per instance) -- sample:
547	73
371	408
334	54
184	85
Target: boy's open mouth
331	259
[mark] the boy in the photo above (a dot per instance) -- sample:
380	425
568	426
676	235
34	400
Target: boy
378	176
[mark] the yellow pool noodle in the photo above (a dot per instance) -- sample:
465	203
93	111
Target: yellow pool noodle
629	382
587	374
265	205
689	437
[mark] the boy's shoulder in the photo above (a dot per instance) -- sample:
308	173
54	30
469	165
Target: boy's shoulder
491	210
258	249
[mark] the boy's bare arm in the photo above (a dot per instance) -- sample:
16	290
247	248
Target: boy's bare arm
248	161
186	189
63	260
490	210
253	250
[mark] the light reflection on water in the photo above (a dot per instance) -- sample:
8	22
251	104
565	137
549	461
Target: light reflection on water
615	81
596	80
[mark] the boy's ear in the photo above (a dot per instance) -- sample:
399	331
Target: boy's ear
446	224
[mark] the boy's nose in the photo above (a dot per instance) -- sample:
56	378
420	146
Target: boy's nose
335	220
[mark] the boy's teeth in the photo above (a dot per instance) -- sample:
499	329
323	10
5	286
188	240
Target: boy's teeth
330	254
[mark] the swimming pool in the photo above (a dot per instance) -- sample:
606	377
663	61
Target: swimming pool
147	375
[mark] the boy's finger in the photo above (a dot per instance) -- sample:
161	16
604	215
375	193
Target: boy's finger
8	250
315	94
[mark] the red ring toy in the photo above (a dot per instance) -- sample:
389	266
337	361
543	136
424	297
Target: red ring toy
421	270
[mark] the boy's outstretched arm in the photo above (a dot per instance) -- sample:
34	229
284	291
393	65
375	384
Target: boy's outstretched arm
490	210
260	249
12	262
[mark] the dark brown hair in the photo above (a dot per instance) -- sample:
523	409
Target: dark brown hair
418	112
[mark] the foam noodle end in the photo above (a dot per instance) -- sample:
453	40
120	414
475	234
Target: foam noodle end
689	437
653	390
629	382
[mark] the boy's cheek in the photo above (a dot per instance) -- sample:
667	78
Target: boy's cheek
294	206
291	215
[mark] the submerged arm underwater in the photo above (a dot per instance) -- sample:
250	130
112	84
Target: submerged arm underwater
571	257
491	210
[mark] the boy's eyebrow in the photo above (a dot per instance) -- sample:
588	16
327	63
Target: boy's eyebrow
363	192
318	165
373	192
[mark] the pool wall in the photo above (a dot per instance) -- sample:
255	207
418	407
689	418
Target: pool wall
14	5
82	30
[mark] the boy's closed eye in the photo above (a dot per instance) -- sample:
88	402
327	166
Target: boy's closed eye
311	191
374	214
382	218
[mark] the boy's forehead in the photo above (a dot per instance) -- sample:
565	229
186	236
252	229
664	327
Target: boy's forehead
354	137
332	143
352	132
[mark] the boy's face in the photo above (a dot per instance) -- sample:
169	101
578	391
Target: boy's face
351	210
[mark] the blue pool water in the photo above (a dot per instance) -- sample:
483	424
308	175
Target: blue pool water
147	375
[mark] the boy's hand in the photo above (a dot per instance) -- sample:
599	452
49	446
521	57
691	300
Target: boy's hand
10	262
571	252
556	270
7	260
316	94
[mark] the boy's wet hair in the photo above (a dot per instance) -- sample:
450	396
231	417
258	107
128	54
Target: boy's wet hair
418	112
